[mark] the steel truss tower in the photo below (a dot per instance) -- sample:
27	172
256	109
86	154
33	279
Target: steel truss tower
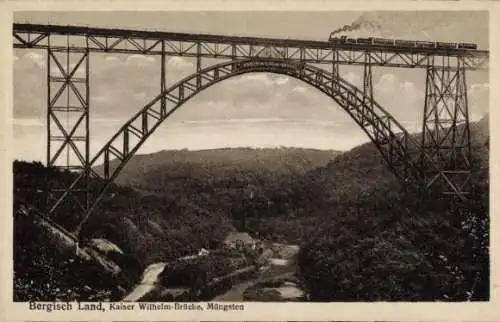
68	125
445	132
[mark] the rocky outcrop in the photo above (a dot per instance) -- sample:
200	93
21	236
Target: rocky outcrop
104	246
96	251
65	240
155	227
275	291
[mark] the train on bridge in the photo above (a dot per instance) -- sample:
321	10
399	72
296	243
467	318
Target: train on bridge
402	43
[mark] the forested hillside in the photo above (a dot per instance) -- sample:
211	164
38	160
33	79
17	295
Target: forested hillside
217	165
146	228
242	183
188	205
363	235
378	241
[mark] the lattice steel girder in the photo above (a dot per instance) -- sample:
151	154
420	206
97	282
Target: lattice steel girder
68	125
379	125
193	45
446	133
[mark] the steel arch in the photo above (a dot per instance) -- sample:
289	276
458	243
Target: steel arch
392	140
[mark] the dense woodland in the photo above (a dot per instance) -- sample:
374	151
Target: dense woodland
379	241
160	220
363	235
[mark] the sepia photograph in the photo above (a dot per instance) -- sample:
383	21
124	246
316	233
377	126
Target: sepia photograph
223	157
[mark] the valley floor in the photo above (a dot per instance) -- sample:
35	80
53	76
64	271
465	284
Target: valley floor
235	294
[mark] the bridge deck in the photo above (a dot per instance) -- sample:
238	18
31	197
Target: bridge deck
219	46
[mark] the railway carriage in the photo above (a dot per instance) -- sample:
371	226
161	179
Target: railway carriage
404	43
401	43
351	41
383	41
368	41
467	46
449	45
426	44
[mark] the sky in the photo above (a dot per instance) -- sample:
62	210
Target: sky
256	110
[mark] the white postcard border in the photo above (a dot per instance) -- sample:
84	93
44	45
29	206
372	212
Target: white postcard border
477	311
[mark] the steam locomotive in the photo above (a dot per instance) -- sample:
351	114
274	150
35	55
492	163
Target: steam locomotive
401	43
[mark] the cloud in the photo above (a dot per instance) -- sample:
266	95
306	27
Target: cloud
282	80
33	56
261	133
36	58
141	59
27	127
140	95
29	146
353	78
254	79
119	88
479	98
28	122
387	82
106	122
238	121
480	87
299	89
403	99
98	98
178	63
80	71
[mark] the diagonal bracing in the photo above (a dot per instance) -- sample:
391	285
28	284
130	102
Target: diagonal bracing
68	127
446	133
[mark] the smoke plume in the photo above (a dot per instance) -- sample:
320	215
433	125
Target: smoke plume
359	23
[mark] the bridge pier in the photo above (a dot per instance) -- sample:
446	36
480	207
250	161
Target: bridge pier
68	140
335	67
368	82
445	128
367	78
163	80
198	64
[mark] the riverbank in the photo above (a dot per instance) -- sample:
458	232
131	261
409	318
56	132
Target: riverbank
235	293
228	287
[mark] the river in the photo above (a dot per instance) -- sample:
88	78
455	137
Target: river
235	294
148	282
278	269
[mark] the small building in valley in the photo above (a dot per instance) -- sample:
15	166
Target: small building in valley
240	240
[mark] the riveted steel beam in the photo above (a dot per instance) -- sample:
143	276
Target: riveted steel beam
445	128
68	127
228	47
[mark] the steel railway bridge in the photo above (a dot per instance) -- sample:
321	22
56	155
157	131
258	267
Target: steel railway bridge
439	159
